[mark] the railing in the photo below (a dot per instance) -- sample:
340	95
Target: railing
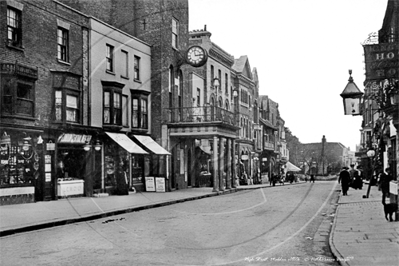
199	115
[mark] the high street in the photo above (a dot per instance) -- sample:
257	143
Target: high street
267	226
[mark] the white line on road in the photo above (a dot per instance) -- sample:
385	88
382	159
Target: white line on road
230	212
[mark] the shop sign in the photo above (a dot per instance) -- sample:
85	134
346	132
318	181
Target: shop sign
74	138
160	184
381	61
50	146
149	183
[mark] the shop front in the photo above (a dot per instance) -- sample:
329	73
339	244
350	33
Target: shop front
76	158
20	165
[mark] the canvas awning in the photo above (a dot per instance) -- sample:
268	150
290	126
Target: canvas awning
150	144
126	143
292	168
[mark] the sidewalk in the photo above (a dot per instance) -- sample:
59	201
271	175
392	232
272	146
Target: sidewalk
360	234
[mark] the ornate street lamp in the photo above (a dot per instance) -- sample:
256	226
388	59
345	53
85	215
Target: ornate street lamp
352	97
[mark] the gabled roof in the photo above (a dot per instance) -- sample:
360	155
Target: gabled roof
241	65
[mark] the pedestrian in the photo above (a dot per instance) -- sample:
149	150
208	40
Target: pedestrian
357	179
344	179
311	178
385	178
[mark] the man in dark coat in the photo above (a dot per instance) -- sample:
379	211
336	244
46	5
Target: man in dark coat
344	179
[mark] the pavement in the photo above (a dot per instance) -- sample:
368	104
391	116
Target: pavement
360	234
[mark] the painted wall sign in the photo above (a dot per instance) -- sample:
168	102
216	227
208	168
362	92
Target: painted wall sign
381	61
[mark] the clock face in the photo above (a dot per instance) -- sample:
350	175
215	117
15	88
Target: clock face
196	56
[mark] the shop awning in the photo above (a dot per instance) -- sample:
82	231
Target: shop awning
292	168
126	143
150	144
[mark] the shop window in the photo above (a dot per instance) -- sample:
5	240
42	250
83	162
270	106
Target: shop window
140	111
14	29
67	106
18	163
62	44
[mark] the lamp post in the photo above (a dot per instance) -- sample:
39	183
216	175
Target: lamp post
370	155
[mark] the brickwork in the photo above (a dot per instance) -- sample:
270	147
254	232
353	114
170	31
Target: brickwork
39	39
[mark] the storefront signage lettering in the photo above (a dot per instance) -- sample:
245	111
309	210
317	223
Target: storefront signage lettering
74	138
15	68
381	61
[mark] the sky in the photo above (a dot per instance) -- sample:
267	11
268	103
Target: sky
302	50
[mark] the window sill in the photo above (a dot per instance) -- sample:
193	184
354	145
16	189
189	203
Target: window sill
18	48
137	81
63	62
29	118
125	77
110	72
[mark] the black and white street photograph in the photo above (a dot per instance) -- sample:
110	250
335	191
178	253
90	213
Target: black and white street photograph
199	132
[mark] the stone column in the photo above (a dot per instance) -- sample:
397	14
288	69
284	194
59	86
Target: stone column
221	164
233	161
229	164
215	164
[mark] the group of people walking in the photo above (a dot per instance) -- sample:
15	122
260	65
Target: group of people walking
350	177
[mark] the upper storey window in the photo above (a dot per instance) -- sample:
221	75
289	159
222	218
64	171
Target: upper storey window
63	44
109	58
175	34
14	32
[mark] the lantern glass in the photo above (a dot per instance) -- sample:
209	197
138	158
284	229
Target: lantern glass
352	106
370	153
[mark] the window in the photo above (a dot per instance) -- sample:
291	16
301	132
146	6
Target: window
125	113
220	79
139	111
136	68
18	99
171	86
125	58
112	107
14	32
226	83
198	97
110	58
212	73
175	30
67	105
62	44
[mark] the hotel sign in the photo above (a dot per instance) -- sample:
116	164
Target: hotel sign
382	61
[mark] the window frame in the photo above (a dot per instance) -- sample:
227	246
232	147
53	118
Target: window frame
112	110
109	58
136	68
175	33
63	106
14	30
64	45
141	113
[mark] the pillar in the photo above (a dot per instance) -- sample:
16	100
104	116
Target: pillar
215	165
221	164
230	164
234	167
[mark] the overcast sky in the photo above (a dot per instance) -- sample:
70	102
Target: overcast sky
302	50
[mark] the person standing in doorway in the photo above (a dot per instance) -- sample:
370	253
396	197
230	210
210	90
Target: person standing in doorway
344	179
